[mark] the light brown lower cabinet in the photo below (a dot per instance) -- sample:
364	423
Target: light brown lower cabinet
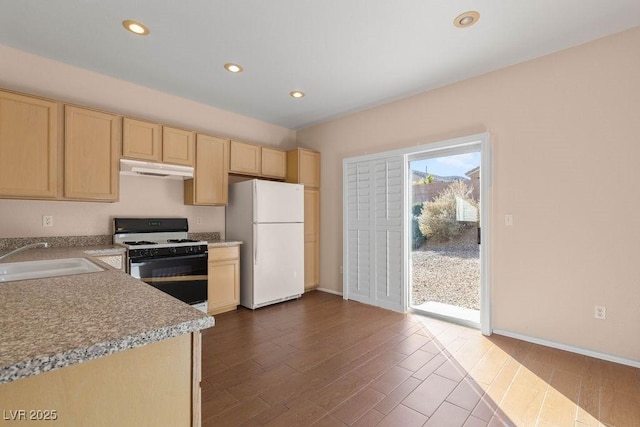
223	293
154	385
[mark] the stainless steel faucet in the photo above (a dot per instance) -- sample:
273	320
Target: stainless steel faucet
24	248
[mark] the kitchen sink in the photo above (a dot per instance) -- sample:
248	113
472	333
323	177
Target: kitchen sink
13	271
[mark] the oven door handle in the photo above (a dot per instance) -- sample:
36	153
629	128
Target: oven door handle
146	259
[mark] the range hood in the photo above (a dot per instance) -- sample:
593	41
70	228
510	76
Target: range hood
157	170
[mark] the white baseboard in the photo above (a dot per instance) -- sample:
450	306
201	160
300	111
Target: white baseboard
329	291
578	350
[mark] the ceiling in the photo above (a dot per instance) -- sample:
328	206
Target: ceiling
346	55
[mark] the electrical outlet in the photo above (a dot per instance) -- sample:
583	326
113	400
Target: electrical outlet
199	220
47	220
599	312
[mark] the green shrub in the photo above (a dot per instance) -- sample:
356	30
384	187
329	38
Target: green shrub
438	218
416	209
417	239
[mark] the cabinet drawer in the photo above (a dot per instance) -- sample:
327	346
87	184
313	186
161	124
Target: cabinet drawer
219	254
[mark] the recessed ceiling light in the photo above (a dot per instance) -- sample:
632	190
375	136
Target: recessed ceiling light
466	19
296	94
135	27
233	68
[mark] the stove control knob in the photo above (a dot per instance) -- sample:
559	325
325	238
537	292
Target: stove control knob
173	250
143	252
153	252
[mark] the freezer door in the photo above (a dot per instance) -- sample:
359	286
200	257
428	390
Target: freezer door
278	202
278	262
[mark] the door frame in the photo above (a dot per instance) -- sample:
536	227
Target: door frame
451	147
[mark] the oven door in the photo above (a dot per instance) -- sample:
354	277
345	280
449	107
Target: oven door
183	277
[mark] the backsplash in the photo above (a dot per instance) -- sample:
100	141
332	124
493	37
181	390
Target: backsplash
205	236
56	241
7	243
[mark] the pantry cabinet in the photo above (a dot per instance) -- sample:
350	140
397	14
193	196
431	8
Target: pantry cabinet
303	167
91	155
311	238
30	147
178	146
223	293
141	140
209	185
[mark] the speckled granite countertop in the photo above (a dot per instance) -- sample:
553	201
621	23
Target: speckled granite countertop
54	322
223	243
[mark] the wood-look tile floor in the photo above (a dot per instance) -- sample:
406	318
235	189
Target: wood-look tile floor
323	361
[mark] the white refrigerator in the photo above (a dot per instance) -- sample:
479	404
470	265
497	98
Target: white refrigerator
268	217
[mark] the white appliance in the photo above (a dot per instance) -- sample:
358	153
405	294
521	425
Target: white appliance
268	217
158	170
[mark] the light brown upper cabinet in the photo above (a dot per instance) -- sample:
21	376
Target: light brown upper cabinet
29	146
303	167
244	159
274	163
178	146
255	160
209	185
141	140
91	155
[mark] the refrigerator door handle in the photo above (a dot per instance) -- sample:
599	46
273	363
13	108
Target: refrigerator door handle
255	244
255	200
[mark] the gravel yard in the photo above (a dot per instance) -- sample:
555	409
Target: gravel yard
448	272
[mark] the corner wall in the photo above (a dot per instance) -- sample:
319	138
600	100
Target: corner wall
564	133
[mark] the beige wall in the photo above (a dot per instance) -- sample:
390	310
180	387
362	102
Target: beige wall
139	196
36	75
553	122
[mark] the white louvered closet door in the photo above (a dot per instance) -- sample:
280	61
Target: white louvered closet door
358	253
388	225
374	217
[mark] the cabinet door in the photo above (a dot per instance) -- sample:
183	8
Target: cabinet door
303	167
141	140
274	163
210	183
28	147
309	168
223	286
178	146
244	158
311	238
91	155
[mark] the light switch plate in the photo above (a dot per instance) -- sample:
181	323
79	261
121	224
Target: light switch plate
508	220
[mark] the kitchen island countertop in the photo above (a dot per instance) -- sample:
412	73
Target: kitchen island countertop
55	322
